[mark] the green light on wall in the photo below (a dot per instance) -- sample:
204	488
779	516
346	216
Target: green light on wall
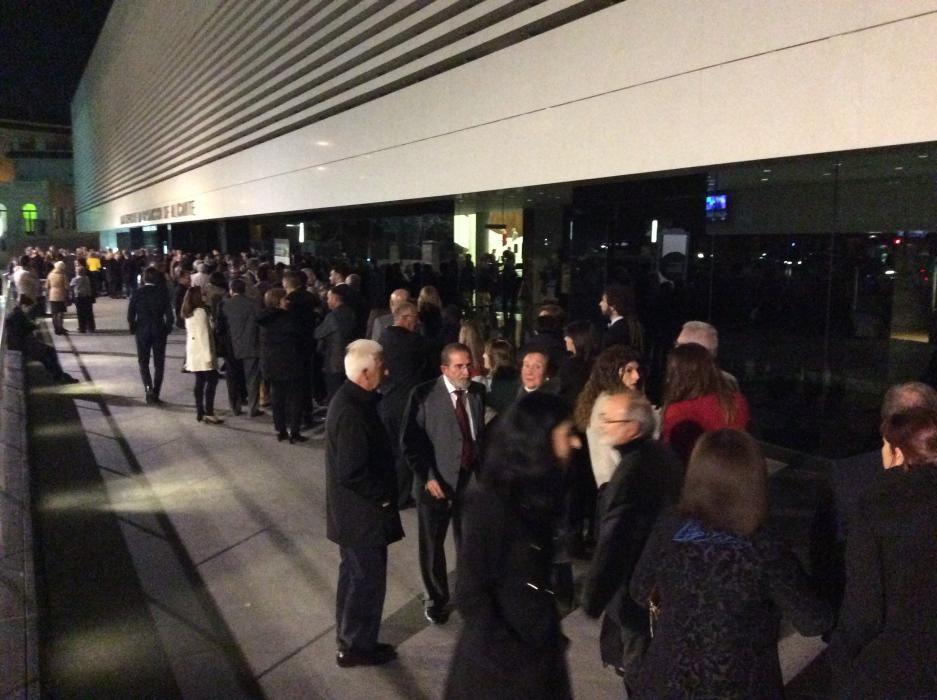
29	218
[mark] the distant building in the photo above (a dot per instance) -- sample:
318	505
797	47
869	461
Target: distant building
37	201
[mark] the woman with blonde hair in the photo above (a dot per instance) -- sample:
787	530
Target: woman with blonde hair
429	306
501	378
200	358
471	337
57	292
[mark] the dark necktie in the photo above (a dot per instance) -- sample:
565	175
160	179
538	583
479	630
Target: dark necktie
467	459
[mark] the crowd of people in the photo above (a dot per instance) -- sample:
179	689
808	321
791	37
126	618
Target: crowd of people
537	448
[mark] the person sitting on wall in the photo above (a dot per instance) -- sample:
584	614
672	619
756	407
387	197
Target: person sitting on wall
20	335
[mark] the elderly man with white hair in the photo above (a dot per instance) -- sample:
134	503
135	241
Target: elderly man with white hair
647	480
361	506
705	334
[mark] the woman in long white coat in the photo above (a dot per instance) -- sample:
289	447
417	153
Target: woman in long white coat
200	358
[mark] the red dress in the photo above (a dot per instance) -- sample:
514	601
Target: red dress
684	421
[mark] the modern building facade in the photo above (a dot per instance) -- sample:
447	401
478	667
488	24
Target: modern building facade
775	163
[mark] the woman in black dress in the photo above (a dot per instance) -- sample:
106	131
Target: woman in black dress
512	645
885	644
721	582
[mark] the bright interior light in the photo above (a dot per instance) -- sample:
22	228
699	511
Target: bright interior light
654	231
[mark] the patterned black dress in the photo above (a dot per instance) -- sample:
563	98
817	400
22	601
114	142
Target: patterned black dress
721	600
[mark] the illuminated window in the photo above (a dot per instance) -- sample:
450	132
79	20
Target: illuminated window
29	218
3	220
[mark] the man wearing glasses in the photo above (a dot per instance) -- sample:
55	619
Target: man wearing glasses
647	480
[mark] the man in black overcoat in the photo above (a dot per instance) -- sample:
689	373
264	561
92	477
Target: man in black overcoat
334	334
407	360
361	506
150	317
647	480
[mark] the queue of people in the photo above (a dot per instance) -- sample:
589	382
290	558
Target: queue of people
537	451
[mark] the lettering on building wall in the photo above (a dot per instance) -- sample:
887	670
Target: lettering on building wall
170	211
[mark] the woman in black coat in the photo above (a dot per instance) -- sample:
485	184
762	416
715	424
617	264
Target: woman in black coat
281	364
885	644
722	583
512	645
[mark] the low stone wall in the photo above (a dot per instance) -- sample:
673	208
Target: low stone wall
19	665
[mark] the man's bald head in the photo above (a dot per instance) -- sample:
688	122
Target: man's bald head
398	297
903	397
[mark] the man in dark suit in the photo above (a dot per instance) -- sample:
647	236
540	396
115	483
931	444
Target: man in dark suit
361	506
237	320
647	480
149	315
333	335
408	364
444	422
616	307
303	307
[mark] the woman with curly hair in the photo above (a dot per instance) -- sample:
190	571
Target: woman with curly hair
617	368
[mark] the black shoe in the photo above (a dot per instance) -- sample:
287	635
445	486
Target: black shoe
438	615
150	397
258	414
296	437
282	436
381	654
64	378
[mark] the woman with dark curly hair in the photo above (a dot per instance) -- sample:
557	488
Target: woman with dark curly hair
885	642
615	369
512	644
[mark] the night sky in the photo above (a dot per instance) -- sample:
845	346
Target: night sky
44	46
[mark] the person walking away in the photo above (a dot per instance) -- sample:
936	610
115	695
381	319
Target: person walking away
150	318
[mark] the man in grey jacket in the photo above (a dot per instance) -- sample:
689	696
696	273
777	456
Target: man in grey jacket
237	322
444	422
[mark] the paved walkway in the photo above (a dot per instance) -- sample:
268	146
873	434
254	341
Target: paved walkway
186	560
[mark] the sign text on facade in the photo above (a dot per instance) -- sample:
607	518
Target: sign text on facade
170	211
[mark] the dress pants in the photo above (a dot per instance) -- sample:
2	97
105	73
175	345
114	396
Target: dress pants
359	601
205	385
285	397
434	515
333	382
35	349
84	308
151	341
243	378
